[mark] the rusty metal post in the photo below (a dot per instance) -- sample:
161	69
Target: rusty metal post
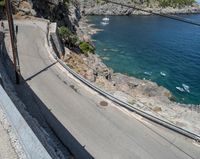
13	40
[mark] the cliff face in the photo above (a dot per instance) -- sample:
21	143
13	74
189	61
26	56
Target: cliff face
56	10
60	11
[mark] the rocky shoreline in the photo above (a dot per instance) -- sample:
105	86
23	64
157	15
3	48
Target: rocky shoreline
168	10
92	8
142	94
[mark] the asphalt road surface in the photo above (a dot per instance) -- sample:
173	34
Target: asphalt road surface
103	132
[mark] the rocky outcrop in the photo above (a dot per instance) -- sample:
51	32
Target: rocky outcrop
59	11
89	66
64	13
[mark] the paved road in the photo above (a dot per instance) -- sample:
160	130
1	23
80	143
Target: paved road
104	132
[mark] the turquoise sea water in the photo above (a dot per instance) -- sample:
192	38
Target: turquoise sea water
145	46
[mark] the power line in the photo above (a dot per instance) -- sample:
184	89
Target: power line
155	13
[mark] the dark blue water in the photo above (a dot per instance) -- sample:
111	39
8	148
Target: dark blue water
135	45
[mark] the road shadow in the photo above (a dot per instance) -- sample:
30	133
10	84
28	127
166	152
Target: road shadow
39	72
38	110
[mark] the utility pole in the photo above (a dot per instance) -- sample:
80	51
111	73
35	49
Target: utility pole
13	40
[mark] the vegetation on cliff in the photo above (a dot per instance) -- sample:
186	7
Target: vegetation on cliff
2	3
162	3
68	38
72	41
176	3
86	48
101	7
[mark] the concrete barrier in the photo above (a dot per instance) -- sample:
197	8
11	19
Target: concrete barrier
55	40
30	143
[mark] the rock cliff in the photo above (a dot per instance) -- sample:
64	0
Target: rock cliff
61	11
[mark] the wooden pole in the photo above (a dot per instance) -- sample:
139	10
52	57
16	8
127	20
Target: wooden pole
13	40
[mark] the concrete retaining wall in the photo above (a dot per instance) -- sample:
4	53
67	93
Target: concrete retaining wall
30	143
55	40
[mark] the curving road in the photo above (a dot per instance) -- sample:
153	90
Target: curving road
87	128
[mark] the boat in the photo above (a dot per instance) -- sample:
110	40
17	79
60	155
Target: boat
186	88
105	19
180	89
163	74
148	73
104	23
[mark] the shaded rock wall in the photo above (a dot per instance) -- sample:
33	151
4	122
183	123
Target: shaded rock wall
60	11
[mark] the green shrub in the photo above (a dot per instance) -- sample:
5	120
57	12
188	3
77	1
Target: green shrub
68	37
86	48
175	3
2	3
64	32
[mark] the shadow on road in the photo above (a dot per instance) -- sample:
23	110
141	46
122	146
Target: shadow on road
38	110
46	68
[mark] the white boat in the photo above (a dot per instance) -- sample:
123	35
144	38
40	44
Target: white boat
186	88
163	74
104	23
180	89
105	19
148	73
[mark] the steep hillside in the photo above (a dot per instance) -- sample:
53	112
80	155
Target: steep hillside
63	12
66	11
100	7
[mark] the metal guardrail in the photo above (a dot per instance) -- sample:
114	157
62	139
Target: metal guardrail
144	114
